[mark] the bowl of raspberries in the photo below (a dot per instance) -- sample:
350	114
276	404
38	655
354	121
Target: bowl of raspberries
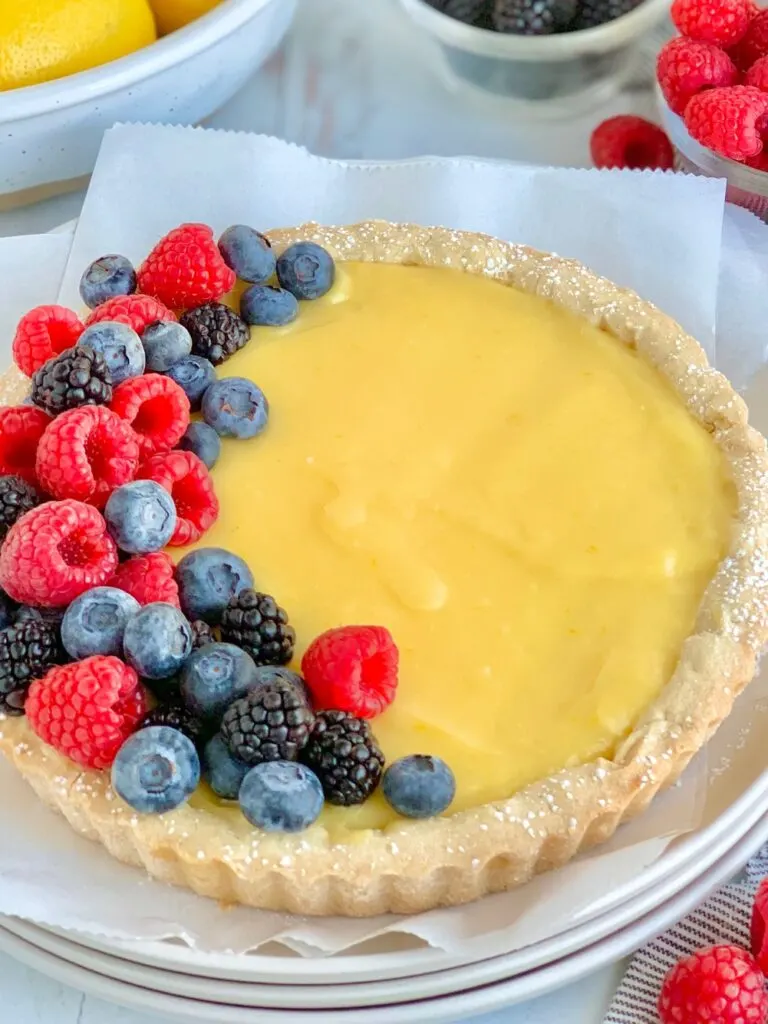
560	53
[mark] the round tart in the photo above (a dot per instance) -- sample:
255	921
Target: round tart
535	482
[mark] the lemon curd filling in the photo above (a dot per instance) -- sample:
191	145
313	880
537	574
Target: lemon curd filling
523	501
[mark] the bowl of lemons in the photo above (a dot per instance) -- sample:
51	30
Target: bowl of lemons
69	69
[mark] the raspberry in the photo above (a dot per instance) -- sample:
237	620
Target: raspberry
156	408
758	932
186	269
43	333
754	45
728	120
720	983
353	668
633	142
55	552
686	67
723	22
757	76
21	427
138	311
148	578
88	709
85	454
187	480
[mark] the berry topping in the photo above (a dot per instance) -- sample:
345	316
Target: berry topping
202	441
352	668
758	932
306	269
55	552
185	477
156	770
254	622
88	709
21	427
120	345
148	578
631	142
106	278
757	76
419	786
141	517
280	796
248	253
270	723
235	407
207	579
217	331
165	343
754	44
156	408
137	311
176	716
264	305
43	333
728	120
533	17
202	634
213	677
723	22
185	268
194	375
719	984
95	622
157	641
85	454
591	13
27	651
8	610
685	67
223	772
79	376
344	755
16	497
471	12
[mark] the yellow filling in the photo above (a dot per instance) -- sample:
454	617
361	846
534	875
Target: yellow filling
524	502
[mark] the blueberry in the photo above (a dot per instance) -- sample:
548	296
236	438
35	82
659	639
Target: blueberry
214	676
223	771
235	407
120	345
95	622
281	796
248	253
157	641
203	441
194	375
165	343
266	306
106	278
141	516
419	786
156	770
207	579
306	269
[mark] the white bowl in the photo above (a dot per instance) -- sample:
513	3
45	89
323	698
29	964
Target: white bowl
52	132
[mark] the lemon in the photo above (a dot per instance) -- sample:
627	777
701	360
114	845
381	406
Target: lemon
45	39
173	14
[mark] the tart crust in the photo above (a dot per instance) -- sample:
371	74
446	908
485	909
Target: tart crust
415	866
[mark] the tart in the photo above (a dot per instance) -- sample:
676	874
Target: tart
535	482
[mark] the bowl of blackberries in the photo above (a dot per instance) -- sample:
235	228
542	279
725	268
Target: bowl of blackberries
538	51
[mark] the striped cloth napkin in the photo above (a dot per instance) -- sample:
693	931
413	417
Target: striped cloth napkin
723	918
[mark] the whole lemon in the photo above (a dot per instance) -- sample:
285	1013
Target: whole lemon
45	39
173	14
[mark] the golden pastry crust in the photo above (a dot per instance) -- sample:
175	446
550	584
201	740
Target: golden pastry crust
415	866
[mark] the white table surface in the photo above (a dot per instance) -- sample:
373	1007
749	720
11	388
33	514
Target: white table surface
352	80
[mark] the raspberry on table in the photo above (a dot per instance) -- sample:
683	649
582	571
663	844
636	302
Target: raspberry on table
88	709
156	408
27	651
217	331
533	17
685	67
185	268
85	454
78	376
189	483
758	931
21	427
757	75
753	45
723	22
55	552
138	311
719	983
43	333
727	121
627	141
352	668
343	753
148	578
17	496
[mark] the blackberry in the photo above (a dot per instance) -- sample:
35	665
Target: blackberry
176	716
254	622
16	497
270	723
591	13
79	376
202	634
29	613
471	12
345	756
533	17
27	651
217	332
